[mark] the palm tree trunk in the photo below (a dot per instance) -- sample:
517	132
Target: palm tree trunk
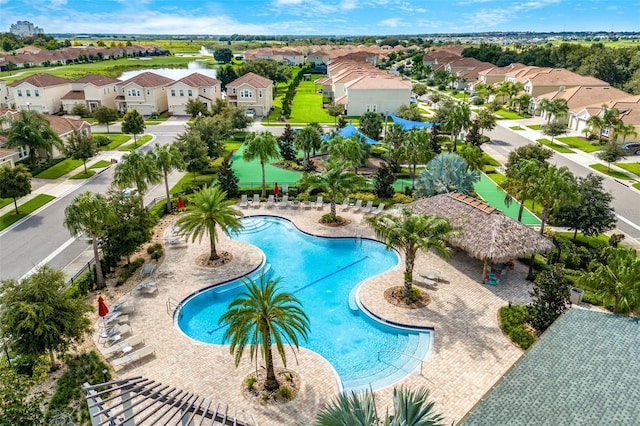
214	254
96	258
408	276
334	216
52	359
271	383
264	181
616	303
166	188
520	211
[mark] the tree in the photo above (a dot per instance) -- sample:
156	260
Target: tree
552	187
89	214
383	182
335	179
80	110
268	68
591	214
420	89
616	277
354	149
226	74
486	120
595	126
624	130
522	102
508	89
223	55
307	139
520	181
459	118
168	158
415	149
371	125
15	182
532	151
473	136
104	115
474	157
137	169
196	108
553	108
213	131
446	172
261	316
409	113
262	146
43	318
553	129
395	135
409	233
18	404
81	146
227	179
549	298
285	144
335	110
31	131
611	153
133	123
208	209
194	152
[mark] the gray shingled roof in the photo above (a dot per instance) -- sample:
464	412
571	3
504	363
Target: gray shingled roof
585	370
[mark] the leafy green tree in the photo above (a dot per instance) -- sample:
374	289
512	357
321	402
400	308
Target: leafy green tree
521	102
195	108
415	150
553	129
223	54
260	317
532	151
168	158
335	110
263	147
473	136
31	130
486	120
383	182
209	209
395	135
591	214
353	149
520	181
420	89
307	139
228	180
194	152
446	172
409	233
89	214
459	118
409	113
18	405
508	89
335	179
268	68
105	115
473	155
137	169
553	187
133	123
616	277
213	131
285	144
611	153
81	146
549	298
43	318
226	74
554	108
15	182
80	110
371	124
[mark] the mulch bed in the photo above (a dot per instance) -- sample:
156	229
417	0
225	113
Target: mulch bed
286	378
203	260
393	295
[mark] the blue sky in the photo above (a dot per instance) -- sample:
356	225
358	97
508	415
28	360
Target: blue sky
321	17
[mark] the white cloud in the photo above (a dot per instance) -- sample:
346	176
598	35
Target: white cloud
58	3
390	22
348	4
287	2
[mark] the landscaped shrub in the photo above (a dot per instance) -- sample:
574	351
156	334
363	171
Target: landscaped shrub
512	322
102	140
399	198
129	270
155	250
159	210
82	285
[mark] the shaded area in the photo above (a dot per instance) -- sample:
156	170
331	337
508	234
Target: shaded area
410	125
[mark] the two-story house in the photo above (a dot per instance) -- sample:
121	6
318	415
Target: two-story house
38	92
379	93
252	93
145	93
194	86
93	91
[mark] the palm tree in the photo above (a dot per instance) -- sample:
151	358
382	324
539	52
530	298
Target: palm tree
509	89
335	179
553	187
263	146
522	102
260	316
624	130
410	233
415	149
458	118
307	140
136	169
410	408
554	108
596	125
167	159
617	277
209	207
520	182
90	214
31	130
446	172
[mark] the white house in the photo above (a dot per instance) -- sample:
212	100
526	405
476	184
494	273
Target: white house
145	93
194	86
376	93
251	92
93	91
38	92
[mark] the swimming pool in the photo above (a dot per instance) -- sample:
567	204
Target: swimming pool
324	274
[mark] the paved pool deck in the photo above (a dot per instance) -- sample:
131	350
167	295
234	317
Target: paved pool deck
469	355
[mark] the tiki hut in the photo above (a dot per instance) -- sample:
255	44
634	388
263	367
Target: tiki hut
487	234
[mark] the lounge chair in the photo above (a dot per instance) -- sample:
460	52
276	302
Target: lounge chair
284	203
435	276
357	206
424	281
378	210
491	279
270	201
319	203
255	203
116	319
133	356
147	287
147	269
295	204
131	341
306	205
123	309
116	333
345	204
243	201
367	209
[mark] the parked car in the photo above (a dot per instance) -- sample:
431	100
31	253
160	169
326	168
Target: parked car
632	148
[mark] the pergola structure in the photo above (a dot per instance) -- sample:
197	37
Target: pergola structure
487	234
137	400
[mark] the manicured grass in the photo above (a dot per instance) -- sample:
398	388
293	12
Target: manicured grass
535	127
25	209
630	167
116	141
307	104
490	160
636	186
160	119
498	178
516	128
141	141
83	175
187	179
100	164
509	115
594	242
60	169
580	143
5	201
613	173
562	149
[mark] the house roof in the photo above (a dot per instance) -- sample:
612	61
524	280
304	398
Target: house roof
97	80
251	79
74	94
584	370
63	125
580	96
378	81
486	232
561	76
41	80
198	80
147	79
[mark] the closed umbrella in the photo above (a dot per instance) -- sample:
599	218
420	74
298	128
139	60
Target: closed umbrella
276	190
180	203
103	309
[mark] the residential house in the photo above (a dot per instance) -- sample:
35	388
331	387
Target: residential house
252	93
466	70
551	79
93	91
193	86
39	92
493	74
318	58
145	93
375	93
286	56
8	156
628	107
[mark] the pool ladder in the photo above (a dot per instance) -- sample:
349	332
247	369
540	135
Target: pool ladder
172	306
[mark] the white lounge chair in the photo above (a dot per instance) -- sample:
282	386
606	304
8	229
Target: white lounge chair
123	309
284	203
306	205
345	204
115	349
116	319
147	269
270	201
357	206
319	203
255	203
133	356
367	209
378	210
424	281
295	205
243	201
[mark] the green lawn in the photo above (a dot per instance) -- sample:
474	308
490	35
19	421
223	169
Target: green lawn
630	167
188	178
516	128
535	127
83	175
141	141
613	173
5	201
60	169
490	160
580	143
559	148
595	241
307	104
498	178
636	186
116	141
160	119
29	207
509	115
100	164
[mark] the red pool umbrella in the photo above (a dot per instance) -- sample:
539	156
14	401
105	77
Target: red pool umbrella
180	203
103	309
276	190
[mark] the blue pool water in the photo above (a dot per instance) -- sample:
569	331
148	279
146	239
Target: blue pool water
323	273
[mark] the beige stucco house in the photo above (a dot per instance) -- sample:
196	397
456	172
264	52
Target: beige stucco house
376	93
145	93
194	86
39	92
553	79
93	91
252	93
628	107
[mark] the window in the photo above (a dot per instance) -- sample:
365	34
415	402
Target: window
189	93
28	92
148	92
173	92
233	90
372	108
22	152
246	94
260	93
36	92
19	92
181	92
204	90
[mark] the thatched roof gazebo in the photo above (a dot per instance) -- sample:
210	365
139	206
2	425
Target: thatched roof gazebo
487	234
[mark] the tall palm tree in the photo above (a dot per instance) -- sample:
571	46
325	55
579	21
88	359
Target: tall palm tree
167	159
553	187
261	316
307	140
554	108
31	130
624	130
335	179
508	89
90	214
412	232
136	169
458	118
520	182
262	146
617	277
414	150
596	124
208	208
410	408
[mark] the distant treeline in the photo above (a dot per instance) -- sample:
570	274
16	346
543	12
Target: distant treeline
619	67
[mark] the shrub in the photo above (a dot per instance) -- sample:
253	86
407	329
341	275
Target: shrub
478	100
155	250
250	382
102	140
129	270
512	322
326	218
399	198
414	296
82	285
284	392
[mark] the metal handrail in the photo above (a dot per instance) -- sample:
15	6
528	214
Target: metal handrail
405	354
173	305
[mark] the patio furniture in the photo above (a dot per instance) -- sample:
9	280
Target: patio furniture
357	206
295	204
435	276
306	205
424	281
319	203
270	201
284	203
133	356
255	203
367	209
147	269
243	201
491	279
147	287
131	342
345	204
378	210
